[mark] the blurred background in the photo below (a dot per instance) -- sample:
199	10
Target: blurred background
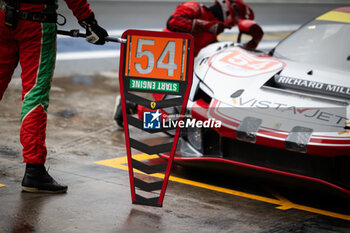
278	18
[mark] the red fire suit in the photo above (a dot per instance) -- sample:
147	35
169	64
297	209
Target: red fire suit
33	45
182	20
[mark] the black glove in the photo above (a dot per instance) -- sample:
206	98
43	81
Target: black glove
219	28
94	33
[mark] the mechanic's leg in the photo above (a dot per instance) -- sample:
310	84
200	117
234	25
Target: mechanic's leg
37	59
131	108
8	55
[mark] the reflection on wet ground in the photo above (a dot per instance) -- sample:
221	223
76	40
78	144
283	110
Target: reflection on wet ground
81	131
28	212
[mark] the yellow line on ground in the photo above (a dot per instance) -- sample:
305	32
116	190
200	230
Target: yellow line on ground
282	202
120	162
268	36
321	212
285	204
335	16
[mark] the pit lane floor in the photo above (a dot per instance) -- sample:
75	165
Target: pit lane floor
87	152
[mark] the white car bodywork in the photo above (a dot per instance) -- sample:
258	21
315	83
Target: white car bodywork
311	100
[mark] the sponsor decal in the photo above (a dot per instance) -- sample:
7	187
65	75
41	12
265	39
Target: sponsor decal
346	131
318	87
150	85
151	120
237	62
335	116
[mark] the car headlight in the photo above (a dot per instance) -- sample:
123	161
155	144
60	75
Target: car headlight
194	136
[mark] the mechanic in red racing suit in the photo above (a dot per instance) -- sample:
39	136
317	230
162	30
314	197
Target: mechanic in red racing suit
204	24
28	36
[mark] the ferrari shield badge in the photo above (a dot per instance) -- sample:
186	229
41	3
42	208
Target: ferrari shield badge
153	105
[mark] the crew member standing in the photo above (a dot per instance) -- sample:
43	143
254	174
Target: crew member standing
28	36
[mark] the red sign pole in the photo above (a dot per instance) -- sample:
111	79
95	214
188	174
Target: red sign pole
157	63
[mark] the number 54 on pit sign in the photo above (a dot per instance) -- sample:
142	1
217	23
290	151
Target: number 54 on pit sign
156	57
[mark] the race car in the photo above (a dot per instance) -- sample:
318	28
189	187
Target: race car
285	112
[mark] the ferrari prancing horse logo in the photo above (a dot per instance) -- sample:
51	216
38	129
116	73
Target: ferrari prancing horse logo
153	104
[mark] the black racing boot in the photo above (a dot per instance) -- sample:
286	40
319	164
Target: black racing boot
131	108
37	180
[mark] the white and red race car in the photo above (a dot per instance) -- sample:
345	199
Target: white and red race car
286	112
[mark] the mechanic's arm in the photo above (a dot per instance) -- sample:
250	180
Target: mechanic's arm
81	10
253	29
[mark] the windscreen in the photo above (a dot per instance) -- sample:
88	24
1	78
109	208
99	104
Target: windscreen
319	42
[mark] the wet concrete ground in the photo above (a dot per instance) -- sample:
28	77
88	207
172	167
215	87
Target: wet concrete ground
81	132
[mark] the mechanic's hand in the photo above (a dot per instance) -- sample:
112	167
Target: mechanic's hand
208	26
94	33
218	28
